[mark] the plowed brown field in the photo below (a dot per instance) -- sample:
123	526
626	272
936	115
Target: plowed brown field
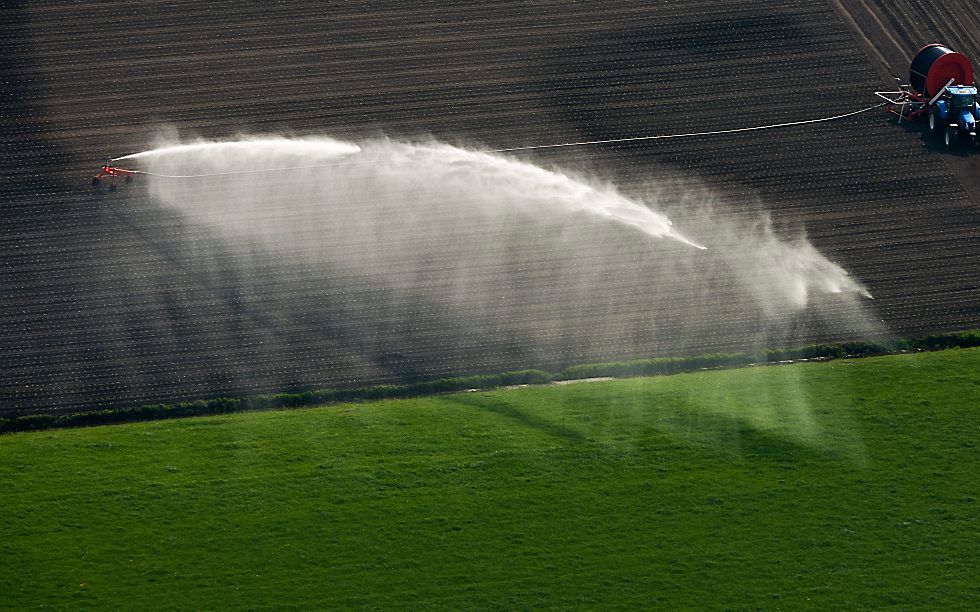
108	299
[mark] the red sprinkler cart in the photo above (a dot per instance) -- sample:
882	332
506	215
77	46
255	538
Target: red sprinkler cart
112	172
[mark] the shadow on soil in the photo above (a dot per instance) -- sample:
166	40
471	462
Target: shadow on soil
932	144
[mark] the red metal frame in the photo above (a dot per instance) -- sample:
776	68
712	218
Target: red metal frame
112	172
911	105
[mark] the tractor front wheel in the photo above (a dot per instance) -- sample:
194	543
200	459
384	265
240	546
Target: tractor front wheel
935	121
95	181
951	137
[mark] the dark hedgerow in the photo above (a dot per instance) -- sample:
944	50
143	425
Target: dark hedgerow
938	342
637	367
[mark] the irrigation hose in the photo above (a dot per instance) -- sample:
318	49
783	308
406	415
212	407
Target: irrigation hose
543	146
692	134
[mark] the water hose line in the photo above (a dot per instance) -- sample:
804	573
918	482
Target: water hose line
692	134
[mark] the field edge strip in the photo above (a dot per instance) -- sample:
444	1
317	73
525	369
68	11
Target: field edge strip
620	369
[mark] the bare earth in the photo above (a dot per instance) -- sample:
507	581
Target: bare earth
110	299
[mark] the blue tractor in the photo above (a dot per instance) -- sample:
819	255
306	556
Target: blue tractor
941	86
955	115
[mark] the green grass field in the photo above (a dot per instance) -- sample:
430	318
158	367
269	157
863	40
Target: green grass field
849	484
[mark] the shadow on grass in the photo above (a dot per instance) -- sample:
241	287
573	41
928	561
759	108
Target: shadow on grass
687	424
789	432
495	405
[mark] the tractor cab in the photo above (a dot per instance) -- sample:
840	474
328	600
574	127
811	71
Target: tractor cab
962	96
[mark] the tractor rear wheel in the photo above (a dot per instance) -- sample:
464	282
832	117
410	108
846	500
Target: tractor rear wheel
951	137
95	181
129	178
935	121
